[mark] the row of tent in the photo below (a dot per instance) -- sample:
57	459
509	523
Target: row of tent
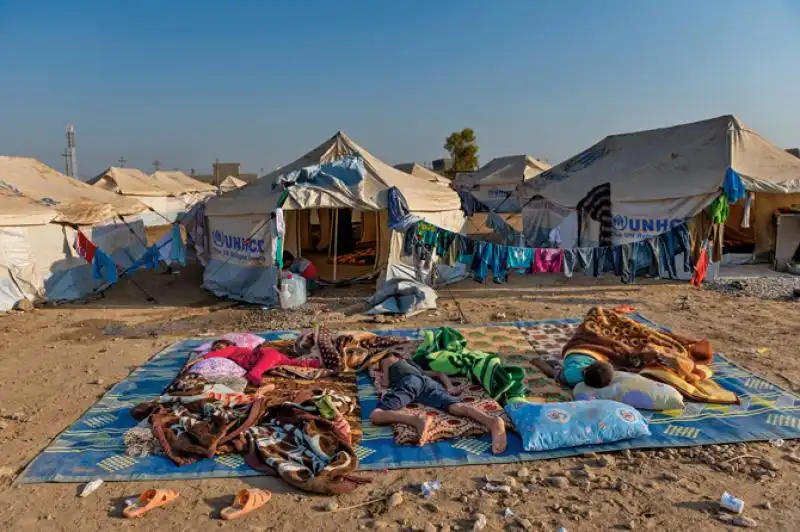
122	211
655	177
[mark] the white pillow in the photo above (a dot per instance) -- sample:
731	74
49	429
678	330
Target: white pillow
633	390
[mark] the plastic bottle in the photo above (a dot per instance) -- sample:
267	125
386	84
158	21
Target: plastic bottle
731	503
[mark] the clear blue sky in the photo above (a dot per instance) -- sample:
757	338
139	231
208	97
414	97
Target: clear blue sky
262	82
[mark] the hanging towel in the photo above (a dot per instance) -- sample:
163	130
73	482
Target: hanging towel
104	268
570	261
700	269
733	187
466	249
520	258
548	260
748	204
482	259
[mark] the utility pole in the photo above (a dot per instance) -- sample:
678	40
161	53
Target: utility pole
65	155
216	172
72	160
157	164
122	162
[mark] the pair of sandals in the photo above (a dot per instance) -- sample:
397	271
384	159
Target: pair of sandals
244	502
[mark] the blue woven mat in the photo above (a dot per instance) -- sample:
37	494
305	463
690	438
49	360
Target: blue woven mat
93	447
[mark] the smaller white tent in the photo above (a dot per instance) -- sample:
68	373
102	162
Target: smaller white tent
417	170
495	183
40	212
166	194
230	183
241	264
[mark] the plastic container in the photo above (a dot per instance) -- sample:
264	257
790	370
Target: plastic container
731	503
292	291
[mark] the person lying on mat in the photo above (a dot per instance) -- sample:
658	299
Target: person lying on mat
256	361
302	267
407	383
583	368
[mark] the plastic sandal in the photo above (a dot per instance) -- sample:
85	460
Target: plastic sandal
148	500
245	502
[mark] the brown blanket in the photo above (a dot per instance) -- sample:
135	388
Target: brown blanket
631	346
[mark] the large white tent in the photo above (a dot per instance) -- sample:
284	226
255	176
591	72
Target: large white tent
241	263
495	183
40	212
230	183
417	170
664	176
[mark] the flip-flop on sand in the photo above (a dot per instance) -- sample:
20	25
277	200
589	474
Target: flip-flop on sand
245	502
148	500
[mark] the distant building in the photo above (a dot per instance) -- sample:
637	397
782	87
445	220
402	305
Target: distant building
222	170
442	166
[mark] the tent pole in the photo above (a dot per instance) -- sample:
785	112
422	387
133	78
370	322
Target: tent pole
335	241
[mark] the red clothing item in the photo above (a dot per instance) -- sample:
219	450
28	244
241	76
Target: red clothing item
259	360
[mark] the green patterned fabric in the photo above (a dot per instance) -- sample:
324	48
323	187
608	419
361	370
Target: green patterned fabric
444	350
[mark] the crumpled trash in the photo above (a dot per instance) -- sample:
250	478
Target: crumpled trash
497	488
508	513
429	488
91	487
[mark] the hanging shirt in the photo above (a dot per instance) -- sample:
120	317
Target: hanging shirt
520	258
548	260
84	247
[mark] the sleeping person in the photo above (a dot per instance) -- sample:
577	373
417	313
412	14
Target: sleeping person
255	361
583	368
407	383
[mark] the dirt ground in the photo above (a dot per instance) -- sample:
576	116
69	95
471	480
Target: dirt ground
56	362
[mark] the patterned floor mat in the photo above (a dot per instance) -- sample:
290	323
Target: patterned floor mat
93	446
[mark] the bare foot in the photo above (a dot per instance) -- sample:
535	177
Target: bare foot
423	426
498	430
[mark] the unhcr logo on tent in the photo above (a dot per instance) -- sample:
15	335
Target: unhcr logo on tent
645	225
239	247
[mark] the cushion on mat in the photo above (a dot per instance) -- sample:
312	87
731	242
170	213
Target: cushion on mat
633	390
248	340
551	426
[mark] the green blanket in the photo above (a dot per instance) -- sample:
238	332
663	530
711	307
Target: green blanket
445	351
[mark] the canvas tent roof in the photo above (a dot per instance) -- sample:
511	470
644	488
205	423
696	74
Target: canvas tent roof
670	163
417	170
74	201
371	194
511	169
18	210
132	182
231	183
175	179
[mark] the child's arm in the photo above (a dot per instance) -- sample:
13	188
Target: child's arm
444	379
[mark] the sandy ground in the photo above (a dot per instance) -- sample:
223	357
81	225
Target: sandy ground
56	362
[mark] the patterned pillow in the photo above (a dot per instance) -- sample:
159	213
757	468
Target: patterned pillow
558	425
633	390
248	340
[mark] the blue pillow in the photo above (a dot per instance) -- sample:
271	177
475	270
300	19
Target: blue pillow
550	426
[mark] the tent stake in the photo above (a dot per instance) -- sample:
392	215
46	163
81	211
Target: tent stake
335	241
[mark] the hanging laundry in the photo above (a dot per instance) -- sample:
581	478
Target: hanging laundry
570	261
748	205
84	247
409	238
400	216
732	186
443	241
597	206
626	251
500	226
673	243
603	261
454	251
481	261
548	260
171	249
499	263
654	243
700	269
585	257
719	210
466	249
148	261
520	259
104	268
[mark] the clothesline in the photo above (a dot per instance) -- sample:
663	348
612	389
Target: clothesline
649	257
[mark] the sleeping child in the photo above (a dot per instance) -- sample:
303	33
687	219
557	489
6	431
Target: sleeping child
407	383
255	361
